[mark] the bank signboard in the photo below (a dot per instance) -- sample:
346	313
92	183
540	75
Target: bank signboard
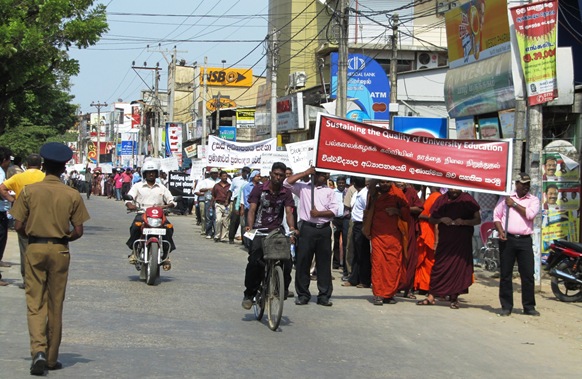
368	87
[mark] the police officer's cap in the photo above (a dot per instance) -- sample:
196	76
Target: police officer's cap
56	152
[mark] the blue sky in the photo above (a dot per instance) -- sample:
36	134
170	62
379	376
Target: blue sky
219	29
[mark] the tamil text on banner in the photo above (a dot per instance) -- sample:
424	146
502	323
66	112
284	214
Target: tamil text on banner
360	149
223	153
535	30
301	155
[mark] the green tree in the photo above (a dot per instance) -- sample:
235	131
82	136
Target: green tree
27	138
34	65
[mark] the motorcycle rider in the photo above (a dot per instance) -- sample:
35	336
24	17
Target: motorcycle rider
148	193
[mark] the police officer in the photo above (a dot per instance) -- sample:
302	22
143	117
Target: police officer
44	212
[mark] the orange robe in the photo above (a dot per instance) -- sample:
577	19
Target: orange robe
389	237
425	247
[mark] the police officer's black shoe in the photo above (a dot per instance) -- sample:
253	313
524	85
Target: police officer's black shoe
38	365
57	366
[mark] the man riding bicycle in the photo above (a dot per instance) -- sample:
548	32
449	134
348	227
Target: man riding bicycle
268	203
149	193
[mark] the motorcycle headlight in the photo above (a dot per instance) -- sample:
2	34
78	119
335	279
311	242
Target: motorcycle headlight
154	222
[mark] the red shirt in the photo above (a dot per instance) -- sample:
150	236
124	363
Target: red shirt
220	192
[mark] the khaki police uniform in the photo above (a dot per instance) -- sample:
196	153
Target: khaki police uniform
48	208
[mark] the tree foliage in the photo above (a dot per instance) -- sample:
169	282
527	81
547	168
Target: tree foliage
27	138
34	64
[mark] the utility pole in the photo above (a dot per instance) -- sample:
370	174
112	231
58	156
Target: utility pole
274	63
157	104
158	111
342	63
204	91
393	70
98	105
172	77
217	111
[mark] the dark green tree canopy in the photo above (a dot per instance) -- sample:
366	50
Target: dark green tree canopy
34	64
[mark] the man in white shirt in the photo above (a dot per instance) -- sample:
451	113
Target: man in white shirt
235	187
361	275
149	193
203	189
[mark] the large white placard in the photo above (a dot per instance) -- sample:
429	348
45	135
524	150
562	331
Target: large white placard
223	153
301	154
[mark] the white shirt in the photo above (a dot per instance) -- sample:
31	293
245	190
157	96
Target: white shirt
236	185
359	201
206	183
148	196
339	197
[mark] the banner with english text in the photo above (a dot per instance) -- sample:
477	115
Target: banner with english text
359	149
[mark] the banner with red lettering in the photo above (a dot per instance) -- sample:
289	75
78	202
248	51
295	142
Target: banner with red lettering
536	32
355	148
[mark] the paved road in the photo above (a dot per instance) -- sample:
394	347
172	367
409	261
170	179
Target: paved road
191	325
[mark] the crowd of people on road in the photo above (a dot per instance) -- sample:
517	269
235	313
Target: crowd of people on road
391	237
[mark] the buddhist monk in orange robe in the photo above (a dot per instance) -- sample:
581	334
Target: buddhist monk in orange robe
426	243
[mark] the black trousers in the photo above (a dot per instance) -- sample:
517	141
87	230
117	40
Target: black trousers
234	224
341	229
3	233
313	242
519	249
135	233
255	271
361	264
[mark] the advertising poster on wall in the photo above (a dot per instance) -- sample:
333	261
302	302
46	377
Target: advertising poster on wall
476	31
465	127
536	33
435	127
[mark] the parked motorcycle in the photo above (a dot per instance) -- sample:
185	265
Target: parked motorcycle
564	266
151	249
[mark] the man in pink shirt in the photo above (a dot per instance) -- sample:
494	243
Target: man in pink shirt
118	184
513	217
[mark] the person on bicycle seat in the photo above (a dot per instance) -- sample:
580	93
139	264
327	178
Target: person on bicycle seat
268	203
148	193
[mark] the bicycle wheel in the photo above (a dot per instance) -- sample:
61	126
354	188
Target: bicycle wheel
259	302
275	297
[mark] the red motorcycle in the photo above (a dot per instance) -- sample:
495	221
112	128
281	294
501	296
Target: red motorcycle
564	266
151	249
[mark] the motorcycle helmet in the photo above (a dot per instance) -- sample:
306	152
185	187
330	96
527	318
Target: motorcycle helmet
150	166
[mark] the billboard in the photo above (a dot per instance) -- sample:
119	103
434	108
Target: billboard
368	87
229	77
477	30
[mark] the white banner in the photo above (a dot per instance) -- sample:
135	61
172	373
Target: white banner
223	153
169	164
267	160
301	155
197	170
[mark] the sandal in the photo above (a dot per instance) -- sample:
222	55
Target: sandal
425	302
378	300
347	284
454	305
410	295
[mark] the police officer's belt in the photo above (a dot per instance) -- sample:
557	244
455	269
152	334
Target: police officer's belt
60	241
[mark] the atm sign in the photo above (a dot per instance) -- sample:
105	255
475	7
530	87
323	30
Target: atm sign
230	77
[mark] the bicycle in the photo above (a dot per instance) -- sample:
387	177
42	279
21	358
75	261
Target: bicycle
271	293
